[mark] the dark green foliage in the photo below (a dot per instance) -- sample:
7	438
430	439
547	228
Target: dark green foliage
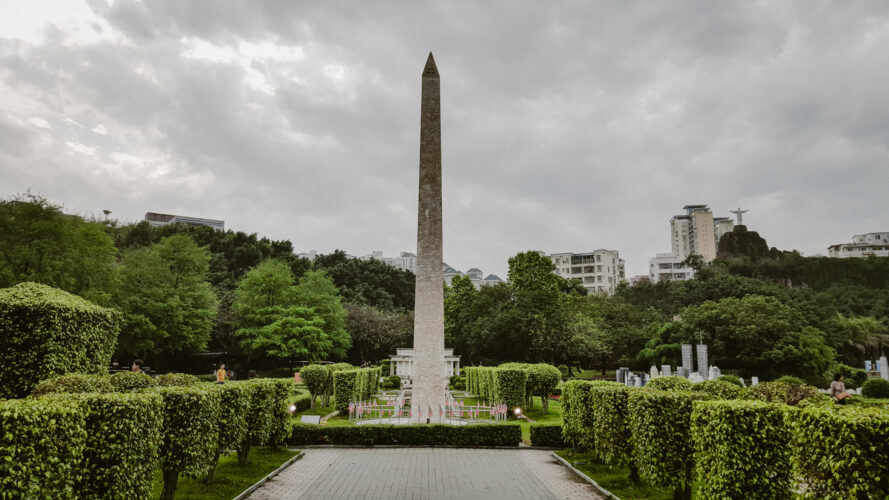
344	383
131	381
41	444
369	282
234	402
741	244
672	383
394	382
841	453
463	436
875	388
547	435
283	390
317	380
45	332
787	379
543	379
510	386
73	383
780	392
376	333
176	379
660	423
268	417
122	443
854	377
732	379
816	273
719	389
741	449
190	433
302	401
611	423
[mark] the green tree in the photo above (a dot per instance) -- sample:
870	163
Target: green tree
538	304
376	333
369	282
167	302
44	245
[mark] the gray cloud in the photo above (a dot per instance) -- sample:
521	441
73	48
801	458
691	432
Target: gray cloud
566	128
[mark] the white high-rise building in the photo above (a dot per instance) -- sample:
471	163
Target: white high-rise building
863	245
155	219
406	261
668	267
599	271
697	232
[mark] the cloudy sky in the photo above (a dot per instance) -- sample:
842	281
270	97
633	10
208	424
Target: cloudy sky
567	126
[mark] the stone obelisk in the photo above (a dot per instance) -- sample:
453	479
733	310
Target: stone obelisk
428	373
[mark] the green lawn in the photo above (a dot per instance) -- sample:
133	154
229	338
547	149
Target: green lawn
553	416
231	478
319	410
614	479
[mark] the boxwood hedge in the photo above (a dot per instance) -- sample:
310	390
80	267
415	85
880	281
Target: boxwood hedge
660	422
719	388
73	383
611	424
547	435
875	388
176	379
577	412
234	406
464	436
741	449
45	331
840	453
510	386
41	443
131	381
316	378
671	383
344	383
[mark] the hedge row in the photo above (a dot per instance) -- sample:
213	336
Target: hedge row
577	412
354	385
464	436
48	332
504	384
319	380
547	435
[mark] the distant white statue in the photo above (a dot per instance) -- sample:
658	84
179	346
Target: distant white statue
653	372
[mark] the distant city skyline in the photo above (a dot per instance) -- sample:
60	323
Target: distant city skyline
565	127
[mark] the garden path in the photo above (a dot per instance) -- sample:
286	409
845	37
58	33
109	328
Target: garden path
426	473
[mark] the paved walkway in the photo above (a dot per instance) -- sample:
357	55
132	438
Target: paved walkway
425	473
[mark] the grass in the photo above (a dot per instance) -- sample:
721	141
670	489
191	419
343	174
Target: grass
319	410
554	416
615	479
231	478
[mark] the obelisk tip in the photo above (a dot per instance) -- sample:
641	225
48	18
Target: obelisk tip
430	71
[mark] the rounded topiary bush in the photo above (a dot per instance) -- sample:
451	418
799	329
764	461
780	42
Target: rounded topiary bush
131	381
719	388
176	380
787	379
73	383
875	388
732	379
672	383
780	392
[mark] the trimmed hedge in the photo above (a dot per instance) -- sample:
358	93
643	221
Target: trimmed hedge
45	331
464	436
122	443
840	453
191	433
611	424
671	383
719	388
41	443
781	392
176	380
875	388
660	422
547	435
73	383
131	381
741	449
344	383
577	412
283	390
732	379
317	379
302	401
510	386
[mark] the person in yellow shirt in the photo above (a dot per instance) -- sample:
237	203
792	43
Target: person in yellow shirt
220	374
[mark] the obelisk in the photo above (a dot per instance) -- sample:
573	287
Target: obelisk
428	373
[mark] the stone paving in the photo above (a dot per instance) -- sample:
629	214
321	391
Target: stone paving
425	473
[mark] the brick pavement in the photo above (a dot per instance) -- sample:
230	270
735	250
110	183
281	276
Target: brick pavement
425	473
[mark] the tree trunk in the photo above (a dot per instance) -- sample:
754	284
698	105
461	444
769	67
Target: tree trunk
312	403
634	472
171	477
211	476
545	402
244	451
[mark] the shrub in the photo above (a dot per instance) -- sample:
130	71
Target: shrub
41	443
73	383
344	383
563	369
131	381
463	436
282	390
547	435
302	401
611	425
660	423
780	392
741	449
267	418
854	377
840	454
316	379
510	386
394	382
191	433
176	380
671	383
47	332
875	388
788	379
577	412
234	406
122	443
719	388
732	379
543	380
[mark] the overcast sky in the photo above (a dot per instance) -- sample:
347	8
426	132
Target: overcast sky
567	126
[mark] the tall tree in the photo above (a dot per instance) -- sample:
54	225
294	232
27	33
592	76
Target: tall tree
167	302
538	304
40	243
369	282
376	333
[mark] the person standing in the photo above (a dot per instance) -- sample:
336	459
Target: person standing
220	374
